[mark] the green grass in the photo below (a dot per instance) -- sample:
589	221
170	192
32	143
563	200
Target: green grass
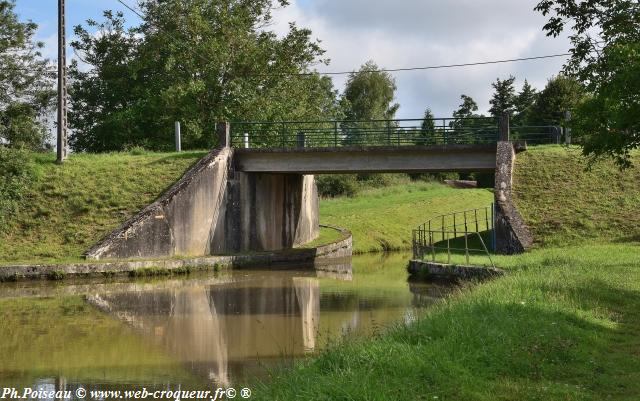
381	219
67	208
327	236
562	326
564	204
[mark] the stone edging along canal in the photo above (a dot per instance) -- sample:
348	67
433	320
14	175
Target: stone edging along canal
433	270
322	258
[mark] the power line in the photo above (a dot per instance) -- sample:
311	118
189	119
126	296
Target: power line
434	67
131	8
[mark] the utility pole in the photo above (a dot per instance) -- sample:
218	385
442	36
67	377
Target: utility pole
62	84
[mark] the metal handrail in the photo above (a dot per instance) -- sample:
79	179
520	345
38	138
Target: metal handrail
383	132
419	254
425	235
338	133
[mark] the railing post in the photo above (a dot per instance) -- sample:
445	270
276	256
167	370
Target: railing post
466	247
246	140
413	241
475	215
178	137
465	222
224	137
444	131
433	246
301	140
567	130
503	127
388	133
455	230
335	133
284	143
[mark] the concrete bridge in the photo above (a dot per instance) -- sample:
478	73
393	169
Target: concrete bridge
256	191
385	159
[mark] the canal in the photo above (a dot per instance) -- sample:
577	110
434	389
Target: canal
228	328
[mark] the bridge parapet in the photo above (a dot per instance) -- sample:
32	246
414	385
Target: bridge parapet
385	133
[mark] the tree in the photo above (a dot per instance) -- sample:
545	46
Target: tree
523	103
427	133
465	125
368	98
504	97
605	57
369	94
194	61
466	108
561	95
25	82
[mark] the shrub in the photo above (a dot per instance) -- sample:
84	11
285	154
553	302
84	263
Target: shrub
337	185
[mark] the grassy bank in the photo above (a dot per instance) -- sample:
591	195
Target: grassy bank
563	203
66	209
562	326
381	219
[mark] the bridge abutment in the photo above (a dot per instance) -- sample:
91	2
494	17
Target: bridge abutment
512	234
266	212
213	210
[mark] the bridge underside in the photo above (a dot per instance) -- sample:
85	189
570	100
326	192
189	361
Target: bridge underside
456	158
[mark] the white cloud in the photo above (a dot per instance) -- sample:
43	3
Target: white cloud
411	33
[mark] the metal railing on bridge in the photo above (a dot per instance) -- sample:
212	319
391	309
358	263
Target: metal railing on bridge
536	134
395	133
456	237
390	133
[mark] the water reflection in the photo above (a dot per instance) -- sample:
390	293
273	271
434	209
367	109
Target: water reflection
226	329
212	327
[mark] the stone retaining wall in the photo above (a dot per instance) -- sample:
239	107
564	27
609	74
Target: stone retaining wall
512	234
434	270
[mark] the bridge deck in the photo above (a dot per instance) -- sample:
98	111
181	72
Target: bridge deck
377	159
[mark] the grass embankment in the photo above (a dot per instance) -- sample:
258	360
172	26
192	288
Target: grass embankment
563	326
65	209
381	219
563	203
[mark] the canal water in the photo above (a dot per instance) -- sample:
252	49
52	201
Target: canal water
228	328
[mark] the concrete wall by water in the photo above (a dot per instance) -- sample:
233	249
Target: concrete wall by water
180	222
213	210
265	212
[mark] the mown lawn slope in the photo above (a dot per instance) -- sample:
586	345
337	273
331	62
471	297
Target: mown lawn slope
565	204
381	219
66	209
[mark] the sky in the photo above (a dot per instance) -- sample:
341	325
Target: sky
394	34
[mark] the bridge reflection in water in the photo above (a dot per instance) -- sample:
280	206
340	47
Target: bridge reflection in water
237	329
